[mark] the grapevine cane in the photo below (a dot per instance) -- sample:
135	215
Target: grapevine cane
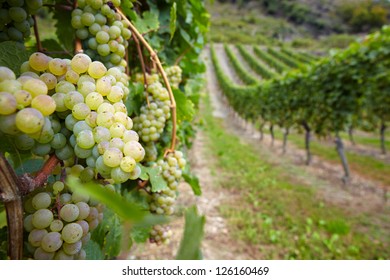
9	194
154	57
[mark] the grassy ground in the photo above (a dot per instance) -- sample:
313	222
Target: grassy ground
280	217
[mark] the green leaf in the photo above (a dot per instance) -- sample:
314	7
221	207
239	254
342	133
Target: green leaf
54	45
93	251
148	22
192	238
135	99
140	234
184	107
3	218
156	179
65	32
172	22
193	181
126	210
12	55
154	175
112	246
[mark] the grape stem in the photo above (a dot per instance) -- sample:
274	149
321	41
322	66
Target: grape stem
36	33
180	57
60	6
155	59
30	183
9	194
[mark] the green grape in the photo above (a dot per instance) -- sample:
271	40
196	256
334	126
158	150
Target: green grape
57	67
105	119
87	19
8	124
69	213
135	150
127	164
23	142
82	153
65	152
103	85
97	69
8	103
45	104
72	98
49	79
76	22
80	111
117	130
59	99
85	139
59	141
135	173
117	143
61	255
41	254
42	218
6	74
41	200
94	100
91	119
17	14
101	134
103	49
112	157
130	135
72	249
102	168
80	63
84	210
35	87
29	120
87	175
116	94
39	61
51	242
82	33
80	126
65	87
27	223
84	225
35	237
56	225
106	107
71	233
72	76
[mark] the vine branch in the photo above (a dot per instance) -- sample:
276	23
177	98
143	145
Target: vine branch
29	183
154	58
36	33
9	194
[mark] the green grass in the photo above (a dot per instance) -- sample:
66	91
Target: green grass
280	217
366	166
372	141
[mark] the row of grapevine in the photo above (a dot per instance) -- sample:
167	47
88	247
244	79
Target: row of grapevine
302	57
94	144
350	88
258	66
271	60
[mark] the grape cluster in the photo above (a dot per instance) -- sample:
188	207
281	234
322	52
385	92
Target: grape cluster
73	108
151	122
16	20
160	234
162	202
174	75
104	35
59	223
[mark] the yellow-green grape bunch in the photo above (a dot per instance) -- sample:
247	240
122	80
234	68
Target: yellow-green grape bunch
150	78
174	75
151	122
104	35
160	234
16	20
58	223
171	167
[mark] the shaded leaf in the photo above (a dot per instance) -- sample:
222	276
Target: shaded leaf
113	242
126	210
193	234
173	18
93	251
12	55
140	234
184	107
148	22
193	181
30	166
156	179
64	29
3	218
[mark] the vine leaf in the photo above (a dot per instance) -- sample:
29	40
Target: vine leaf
172	22
12	55
185	108
140	234
154	175
112	246
193	181
65	31
148	22
93	251
192	237
126	210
